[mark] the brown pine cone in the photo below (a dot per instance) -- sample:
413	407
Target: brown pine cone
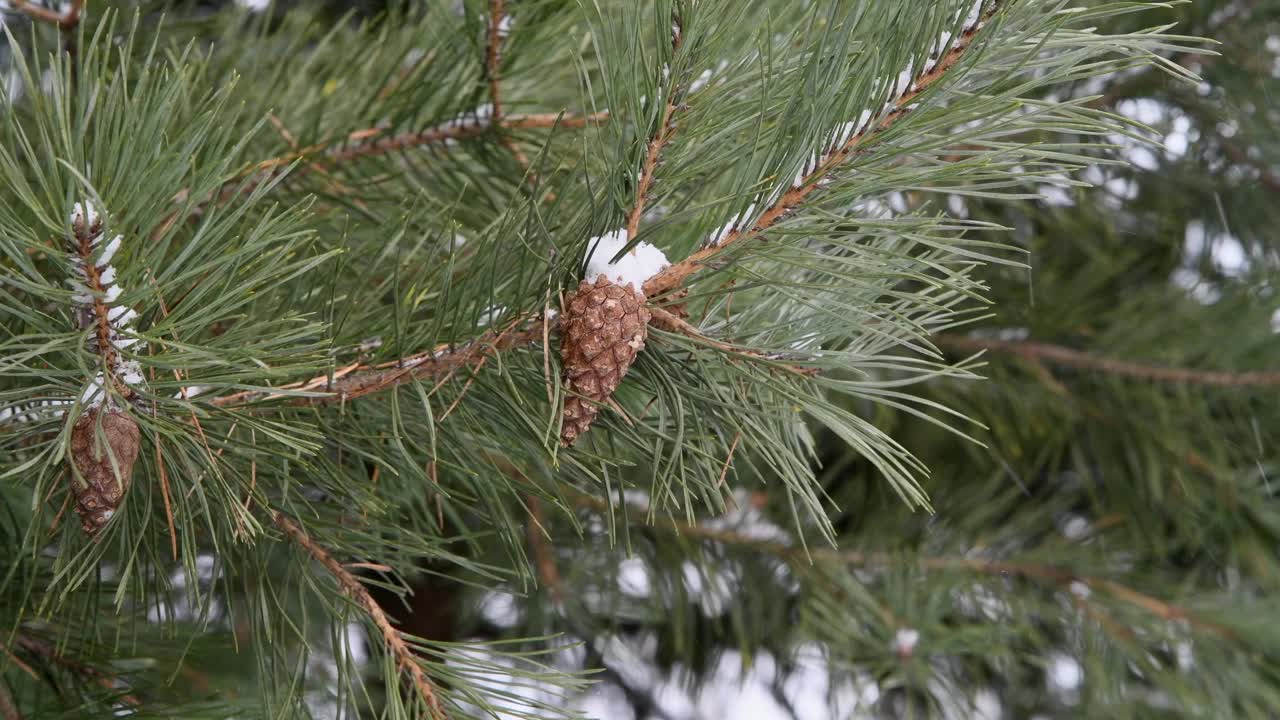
603	328
98	490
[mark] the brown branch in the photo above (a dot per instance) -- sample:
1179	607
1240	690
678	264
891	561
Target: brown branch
8	707
444	361
1058	575
406	661
86	234
1067	357
360	379
671	322
493	55
65	21
544	555
675	275
39	647
665	130
368	143
653	151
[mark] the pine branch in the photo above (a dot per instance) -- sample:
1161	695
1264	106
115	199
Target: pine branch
657	141
358	593
367	143
493	55
87	235
67	20
43	649
676	275
1058	575
671	322
499	28
543	553
1059	355
96	300
359	379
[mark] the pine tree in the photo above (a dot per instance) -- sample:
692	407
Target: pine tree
518	358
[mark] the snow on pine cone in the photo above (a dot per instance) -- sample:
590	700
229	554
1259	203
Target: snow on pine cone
99	489
603	328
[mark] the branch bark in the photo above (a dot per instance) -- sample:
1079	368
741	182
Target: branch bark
1064	356
8	707
370	143
493	55
657	141
406	661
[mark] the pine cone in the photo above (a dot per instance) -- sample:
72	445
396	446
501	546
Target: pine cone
603	328
98	491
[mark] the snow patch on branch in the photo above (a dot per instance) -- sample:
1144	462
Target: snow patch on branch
907	81
94	288
736	224
634	267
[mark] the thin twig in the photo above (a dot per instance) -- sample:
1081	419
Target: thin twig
371	142
671	322
1064	356
493	55
39	647
8	707
406	661
653	150
544	555
363	379
675	275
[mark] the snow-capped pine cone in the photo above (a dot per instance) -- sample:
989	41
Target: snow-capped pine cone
98	489
602	330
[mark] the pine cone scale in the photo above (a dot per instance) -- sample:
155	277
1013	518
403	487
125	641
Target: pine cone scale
605	326
102	484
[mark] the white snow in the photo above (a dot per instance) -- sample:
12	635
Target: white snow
975	14
504	26
633	577
1063	673
84	213
489	314
634	267
736	223
254	5
905	640
110	250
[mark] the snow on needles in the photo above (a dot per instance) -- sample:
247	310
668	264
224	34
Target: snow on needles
906	81
634	267
93	281
899	85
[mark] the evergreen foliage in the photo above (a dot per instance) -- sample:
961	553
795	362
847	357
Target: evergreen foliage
959	379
